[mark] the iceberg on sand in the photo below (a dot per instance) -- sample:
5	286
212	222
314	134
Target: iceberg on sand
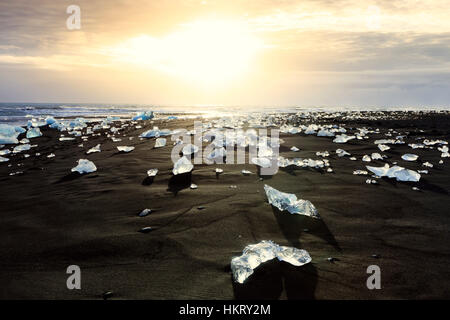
84	166
253	255
286	201
183	165
397	172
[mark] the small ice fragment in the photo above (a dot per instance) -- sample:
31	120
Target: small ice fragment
189	149
152	172
253	255
183	165
233	187
295	149
366	158
23	147
160	142
286	201
262	162
3	159
5	152
415	189
376	156
294	256
342	152
441	162
146	230
343	138
352	158
383	147
329	170
400	173
24	141
125	149
34	133
246	172
145	212
360	172
427	164
193	186
66	139
218	170
410	157
84	166
51	155
94	149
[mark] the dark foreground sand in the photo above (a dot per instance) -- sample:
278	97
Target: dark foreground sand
50	220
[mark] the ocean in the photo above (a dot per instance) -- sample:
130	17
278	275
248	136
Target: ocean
20	113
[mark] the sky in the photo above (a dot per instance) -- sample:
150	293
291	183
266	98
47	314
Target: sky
227	52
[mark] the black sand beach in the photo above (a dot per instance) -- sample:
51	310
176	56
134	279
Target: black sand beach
51	219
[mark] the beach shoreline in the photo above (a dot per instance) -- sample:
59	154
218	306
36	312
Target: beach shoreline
51	219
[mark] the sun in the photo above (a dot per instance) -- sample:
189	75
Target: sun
207	52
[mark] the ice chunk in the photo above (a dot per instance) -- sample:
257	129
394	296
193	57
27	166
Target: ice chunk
399	173
246	172
23	147
325	133
9	134
125	149
160	142
294	256
253	255
427	164
217	153
84	166
286	201
383	147
146	115
218	170
366	158
152	172
193	186
145	212
342	152
343	138
34	133
262	162
183	165
3	159
66	139
51	155
189	149
295	149
94	149
376	156
360	172
5	152
410	157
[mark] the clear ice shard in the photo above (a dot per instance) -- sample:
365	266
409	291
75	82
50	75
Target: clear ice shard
3	159
34	133
125	149
94	149
20	148
255	254
262	162
160	142
9	134
183	165
397	172
84	166
410	157
343	138
286	201
146	115
190	149
152	172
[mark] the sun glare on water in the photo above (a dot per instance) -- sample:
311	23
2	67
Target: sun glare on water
205	52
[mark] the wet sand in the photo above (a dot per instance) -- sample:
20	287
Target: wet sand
51	219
